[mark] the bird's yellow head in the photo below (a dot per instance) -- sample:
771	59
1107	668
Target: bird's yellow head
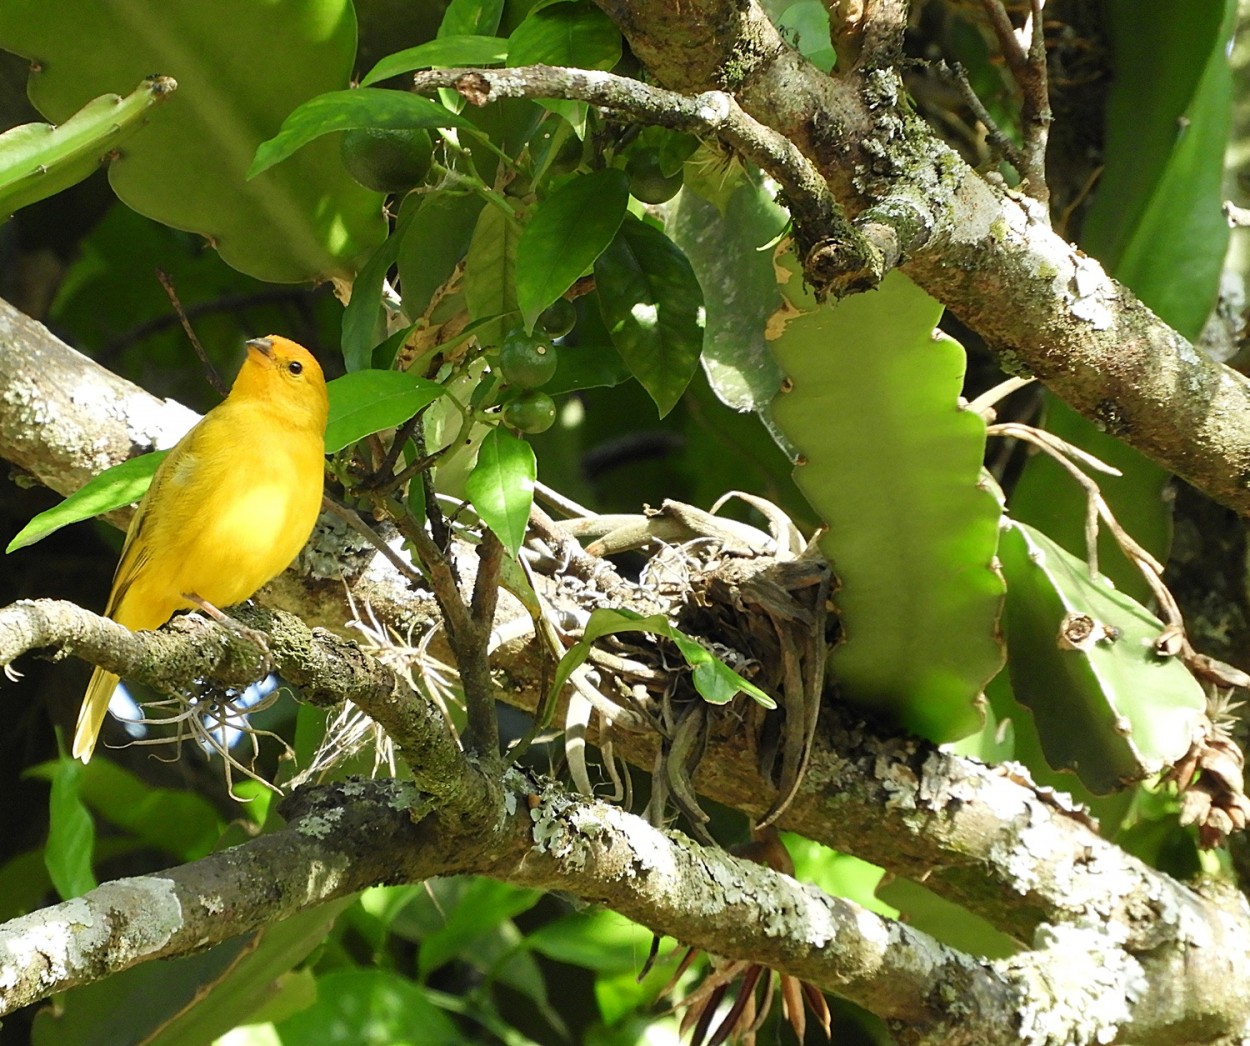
285	376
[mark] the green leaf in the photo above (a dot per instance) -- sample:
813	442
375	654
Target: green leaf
241	67
1156	223
362	318
724	247
653	308
433	243
360	1007
121	484
1111	709
71	833
38	160
602	941
893	465
490	274
566	34
566	233
368	401
180	823
501	486
467	17
482	905
587	367
346	111
715	681
444	52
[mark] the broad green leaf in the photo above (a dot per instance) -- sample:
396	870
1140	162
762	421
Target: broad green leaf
893	465
121	484
587	367
951	923
433	243
363	322
483	905
181	823
71	833
241	67
1158	196
38	160
602	941
1109	708
444	52
346	111
838	874
566	233
501	486
368	401
566	34
653	308
469	17
490	274
362	1007
725	247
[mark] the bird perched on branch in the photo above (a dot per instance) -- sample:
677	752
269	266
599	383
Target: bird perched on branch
229	508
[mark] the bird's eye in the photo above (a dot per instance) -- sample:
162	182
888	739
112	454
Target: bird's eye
295	367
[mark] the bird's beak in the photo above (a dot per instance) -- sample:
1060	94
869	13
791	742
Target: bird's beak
262	345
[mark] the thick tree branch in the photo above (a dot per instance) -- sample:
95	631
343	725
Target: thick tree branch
1012	854
1041	304
1082	986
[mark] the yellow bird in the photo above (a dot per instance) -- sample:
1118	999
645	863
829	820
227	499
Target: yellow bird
229	508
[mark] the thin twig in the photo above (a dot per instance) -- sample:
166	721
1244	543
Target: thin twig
214	378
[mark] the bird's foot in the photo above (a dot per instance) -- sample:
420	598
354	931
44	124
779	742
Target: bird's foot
238	628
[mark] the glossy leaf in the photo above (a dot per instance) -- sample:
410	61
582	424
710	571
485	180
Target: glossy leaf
481	906
566	34
490	274
501	486
469	17
725	249
433	244
38	160
652	305
122	484
893	465
71	833
241	68
357	1006
1110	709
346	111
363	321
442	53
565	234
368	401
179	822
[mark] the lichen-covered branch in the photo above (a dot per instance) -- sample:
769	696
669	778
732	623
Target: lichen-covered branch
816	217
990	256
1082	985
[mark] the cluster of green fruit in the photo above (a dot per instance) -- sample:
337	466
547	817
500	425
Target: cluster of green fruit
526	362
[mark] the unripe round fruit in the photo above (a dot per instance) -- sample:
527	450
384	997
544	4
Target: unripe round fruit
531	411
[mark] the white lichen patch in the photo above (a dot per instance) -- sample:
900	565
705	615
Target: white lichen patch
1077	989
55	942
321	825
1090	293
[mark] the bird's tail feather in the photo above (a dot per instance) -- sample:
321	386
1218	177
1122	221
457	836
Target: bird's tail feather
94	706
